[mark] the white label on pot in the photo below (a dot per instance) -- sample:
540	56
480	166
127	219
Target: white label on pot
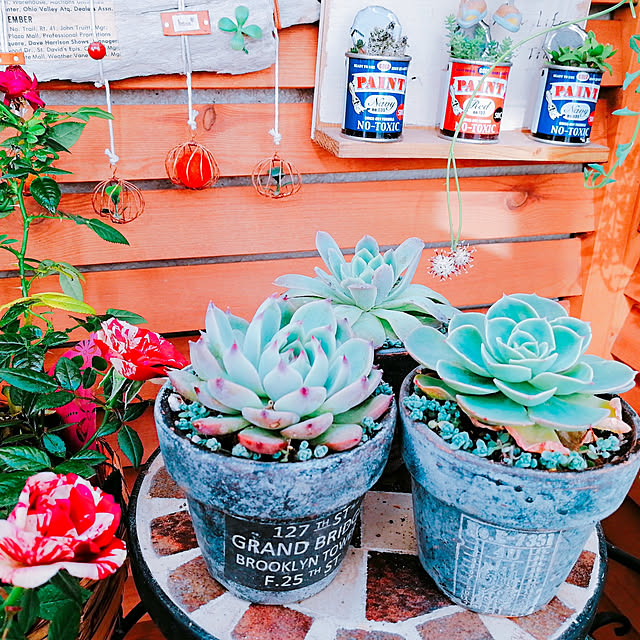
576	111
381	104
496	566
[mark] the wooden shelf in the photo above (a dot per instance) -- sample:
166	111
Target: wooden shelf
426	143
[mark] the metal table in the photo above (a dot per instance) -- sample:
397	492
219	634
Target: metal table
381	593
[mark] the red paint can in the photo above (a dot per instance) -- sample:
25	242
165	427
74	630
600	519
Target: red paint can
484	116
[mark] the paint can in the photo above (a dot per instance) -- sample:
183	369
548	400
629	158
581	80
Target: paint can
484	115
374	106
566	104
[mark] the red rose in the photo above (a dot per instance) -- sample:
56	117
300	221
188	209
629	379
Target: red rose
135	353
18	86
60	522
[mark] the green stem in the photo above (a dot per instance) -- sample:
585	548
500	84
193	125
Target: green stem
12	598
451	164
26	221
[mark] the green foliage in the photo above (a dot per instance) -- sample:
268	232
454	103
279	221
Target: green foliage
240	29
465	47
591	54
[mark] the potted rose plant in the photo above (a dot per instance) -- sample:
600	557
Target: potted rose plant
275	436
515	449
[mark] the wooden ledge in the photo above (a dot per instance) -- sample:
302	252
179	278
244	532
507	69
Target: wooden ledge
426	143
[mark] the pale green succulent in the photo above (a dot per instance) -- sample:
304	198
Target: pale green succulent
522	365
283	377
373	291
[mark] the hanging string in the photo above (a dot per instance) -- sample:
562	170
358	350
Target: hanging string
5	27
111	151
186	58
275	132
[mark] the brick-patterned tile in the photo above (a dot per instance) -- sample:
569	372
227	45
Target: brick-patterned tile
398	588
192	585
164	486
264	622
362	634
172	534
581	573
459	626
543	623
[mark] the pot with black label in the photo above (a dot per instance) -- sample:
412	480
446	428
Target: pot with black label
272	532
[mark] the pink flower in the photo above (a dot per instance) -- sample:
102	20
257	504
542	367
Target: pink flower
135	353
18	87
60	522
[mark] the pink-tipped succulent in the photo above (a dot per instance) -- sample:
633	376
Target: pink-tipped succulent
283	378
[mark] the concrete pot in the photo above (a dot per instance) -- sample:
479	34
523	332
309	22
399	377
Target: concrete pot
497	539
272	532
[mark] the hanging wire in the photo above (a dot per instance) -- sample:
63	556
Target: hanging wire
111	151
186	58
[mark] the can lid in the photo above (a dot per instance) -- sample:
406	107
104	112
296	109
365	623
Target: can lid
570	36
370	18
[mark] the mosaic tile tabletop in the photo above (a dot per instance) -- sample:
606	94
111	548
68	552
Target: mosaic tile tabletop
381	592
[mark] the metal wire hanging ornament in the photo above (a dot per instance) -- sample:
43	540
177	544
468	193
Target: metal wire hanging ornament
191	164
274	177
117	199
114	198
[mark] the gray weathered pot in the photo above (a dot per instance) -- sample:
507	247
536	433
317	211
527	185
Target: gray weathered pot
498	539
271	532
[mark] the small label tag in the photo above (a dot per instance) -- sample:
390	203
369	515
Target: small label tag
17	57
186	23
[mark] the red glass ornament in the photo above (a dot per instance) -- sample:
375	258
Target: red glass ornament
97	50
192	165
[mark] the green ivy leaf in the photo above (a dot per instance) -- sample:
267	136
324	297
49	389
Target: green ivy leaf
25	458
28	379
46	193
68	374
131	445
54	445
66	134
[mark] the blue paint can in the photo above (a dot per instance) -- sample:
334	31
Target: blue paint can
376	87
566	104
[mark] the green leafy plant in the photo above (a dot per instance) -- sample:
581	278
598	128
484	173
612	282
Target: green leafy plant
522	368
240	29
465	47
591	54
283	387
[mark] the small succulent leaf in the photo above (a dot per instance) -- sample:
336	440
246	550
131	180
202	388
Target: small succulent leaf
466	342
309	429
314	315
405	289
242	14
370	328
367	274
203	361
423	308
252	31
359	354
261	441
303	401
540	330
614	422
353	394
340	437
474	319
300	362
428	346
576	412
269	418
348	312
574	380
463	380
324	244
609	376
240	370
338	376
282	380
433	387
580	327
495	410
317	375
569	345
536	439
513	308
300	286
545	308
506	372
373	408
228	25
407	253
326	336
368	243
524	393
364	295
418	292
358	268
383	280
537	365
219	426
207	400
218	329
270	356
402	324
232	394
184	382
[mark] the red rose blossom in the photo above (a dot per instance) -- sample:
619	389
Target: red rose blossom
135	353
18	87
60	522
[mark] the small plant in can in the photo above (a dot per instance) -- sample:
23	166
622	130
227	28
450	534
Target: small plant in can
590	55
477	46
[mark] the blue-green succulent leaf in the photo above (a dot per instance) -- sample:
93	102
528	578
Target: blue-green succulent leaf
495	410
370	328
308	429
540	330
544	307
474	319
184	382
576	412
463	381
315	314
504	371
609	376
359	355
580	327
373	408
570	346
353	394
269	418
512	308
364	295
524	393
305	286
466	341
497	333
282	380
317	375
574	380
233	395
303	401
240	369
383	280
205	364
407	253
368	243
537	365
428	346
401	323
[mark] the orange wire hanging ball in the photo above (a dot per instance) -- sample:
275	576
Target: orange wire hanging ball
276	178
192	165
118	200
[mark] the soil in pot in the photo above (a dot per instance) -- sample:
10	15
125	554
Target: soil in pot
272	532
500	539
